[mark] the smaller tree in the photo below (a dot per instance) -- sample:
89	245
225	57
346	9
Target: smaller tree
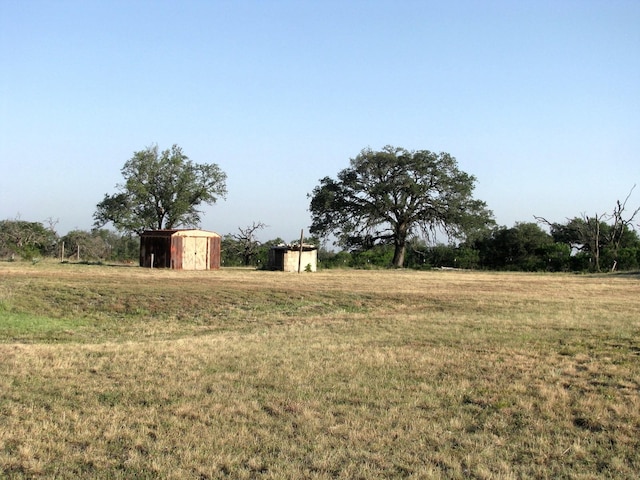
525	246
86	246
26	239
597	242
621	227
246	242
160	190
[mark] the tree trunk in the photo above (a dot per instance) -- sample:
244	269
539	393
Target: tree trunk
398	256
400	246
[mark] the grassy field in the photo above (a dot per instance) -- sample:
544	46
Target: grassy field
120	372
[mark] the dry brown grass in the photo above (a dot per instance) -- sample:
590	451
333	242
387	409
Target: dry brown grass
113	372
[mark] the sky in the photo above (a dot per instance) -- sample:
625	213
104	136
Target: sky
539	100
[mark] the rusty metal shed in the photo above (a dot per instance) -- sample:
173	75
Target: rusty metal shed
286	258
180	249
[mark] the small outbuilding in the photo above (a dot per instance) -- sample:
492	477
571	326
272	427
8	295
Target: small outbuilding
292	258
180	249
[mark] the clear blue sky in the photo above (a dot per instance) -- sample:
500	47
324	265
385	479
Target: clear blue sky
540	100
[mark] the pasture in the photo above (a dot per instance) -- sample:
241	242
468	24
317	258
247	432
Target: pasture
120	372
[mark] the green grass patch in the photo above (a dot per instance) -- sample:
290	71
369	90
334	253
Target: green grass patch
29	328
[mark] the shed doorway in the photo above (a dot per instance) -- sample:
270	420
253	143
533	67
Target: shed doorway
194	253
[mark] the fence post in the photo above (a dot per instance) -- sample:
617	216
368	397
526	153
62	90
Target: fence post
300	252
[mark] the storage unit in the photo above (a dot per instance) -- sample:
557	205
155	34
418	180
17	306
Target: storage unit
180	249
286	258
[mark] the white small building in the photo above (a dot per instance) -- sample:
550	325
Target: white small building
287	258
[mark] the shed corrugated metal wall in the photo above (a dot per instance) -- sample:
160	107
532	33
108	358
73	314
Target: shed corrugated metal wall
180	249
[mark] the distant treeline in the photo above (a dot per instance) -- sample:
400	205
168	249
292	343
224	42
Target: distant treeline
579	245
33	241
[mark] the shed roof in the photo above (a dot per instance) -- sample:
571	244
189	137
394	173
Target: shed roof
178	232
306	247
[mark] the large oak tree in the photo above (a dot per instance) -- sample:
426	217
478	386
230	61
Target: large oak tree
389	195
161	189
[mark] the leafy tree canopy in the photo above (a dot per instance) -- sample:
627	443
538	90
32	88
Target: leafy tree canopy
525	246
161	189
26	239
389	195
